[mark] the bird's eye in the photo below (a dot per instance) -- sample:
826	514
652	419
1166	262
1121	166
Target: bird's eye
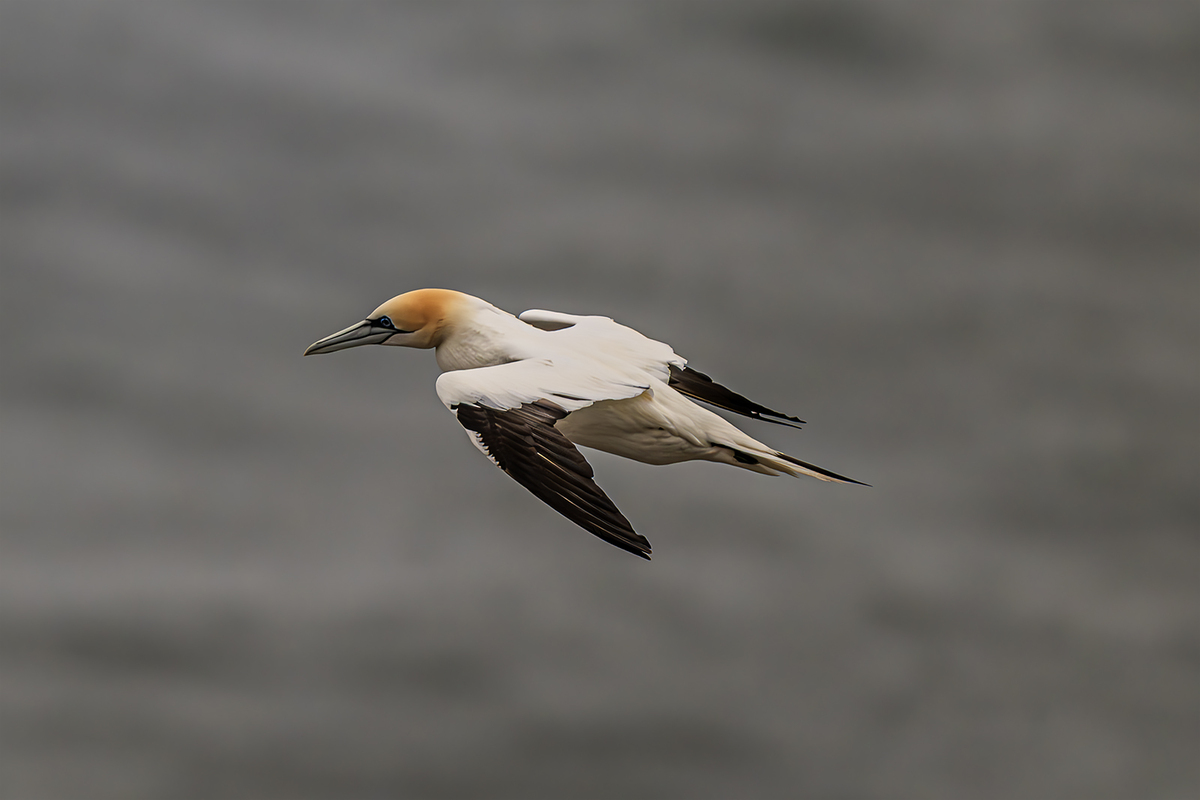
386	322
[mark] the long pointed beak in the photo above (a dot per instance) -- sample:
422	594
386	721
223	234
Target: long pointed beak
360	333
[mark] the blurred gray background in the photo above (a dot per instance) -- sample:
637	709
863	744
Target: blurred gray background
959	238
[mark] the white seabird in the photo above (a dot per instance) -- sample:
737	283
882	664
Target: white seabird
529	389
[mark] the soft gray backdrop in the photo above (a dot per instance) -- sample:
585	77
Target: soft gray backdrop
960	239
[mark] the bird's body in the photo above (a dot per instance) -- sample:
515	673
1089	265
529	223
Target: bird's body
530	388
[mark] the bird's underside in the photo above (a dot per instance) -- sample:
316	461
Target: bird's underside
524	442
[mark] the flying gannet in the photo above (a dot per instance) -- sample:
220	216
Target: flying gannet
528	389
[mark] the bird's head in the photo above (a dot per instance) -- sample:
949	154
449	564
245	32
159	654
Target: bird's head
413	319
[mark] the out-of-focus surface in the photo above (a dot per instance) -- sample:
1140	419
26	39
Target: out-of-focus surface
959	239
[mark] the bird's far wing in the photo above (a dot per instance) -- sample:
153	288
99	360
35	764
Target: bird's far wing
697	385
608	341
509	413
549	320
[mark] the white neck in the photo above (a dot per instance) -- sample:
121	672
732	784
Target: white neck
484	337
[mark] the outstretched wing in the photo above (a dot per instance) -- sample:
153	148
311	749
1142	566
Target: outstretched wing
524	443
509	412
610	338
607	342
699	386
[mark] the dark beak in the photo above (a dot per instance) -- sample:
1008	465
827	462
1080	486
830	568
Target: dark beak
365	332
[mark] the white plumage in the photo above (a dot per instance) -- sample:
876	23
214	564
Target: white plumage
530	388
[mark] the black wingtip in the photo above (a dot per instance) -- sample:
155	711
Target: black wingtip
630	541
624	542
698	386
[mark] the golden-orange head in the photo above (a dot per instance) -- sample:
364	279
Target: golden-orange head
413	319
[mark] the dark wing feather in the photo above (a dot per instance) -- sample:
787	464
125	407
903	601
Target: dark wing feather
524	443
701	387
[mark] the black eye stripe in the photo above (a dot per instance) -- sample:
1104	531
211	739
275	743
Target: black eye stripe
386	322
